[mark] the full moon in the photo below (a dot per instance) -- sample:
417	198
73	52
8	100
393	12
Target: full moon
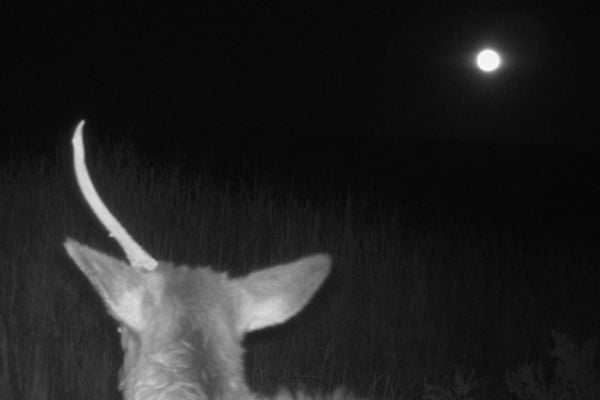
488	60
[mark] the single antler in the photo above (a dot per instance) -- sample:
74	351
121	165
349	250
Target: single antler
137	256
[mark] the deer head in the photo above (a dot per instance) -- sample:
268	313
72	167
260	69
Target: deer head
181	328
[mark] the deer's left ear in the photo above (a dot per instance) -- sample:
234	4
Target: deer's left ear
273	295
121	287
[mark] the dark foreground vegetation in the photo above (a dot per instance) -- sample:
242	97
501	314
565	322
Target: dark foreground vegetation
450	272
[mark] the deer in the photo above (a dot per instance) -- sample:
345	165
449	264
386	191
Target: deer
182	327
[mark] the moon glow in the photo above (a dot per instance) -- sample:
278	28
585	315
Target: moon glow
488	60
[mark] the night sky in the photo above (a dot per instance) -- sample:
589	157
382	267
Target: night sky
213	72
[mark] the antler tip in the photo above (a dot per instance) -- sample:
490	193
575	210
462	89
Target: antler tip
78	134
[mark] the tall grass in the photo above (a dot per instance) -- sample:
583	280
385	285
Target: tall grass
411	294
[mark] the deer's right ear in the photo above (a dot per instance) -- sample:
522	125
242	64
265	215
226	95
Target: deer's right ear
273	295
120	286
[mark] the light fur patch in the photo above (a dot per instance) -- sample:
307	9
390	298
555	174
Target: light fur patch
131	309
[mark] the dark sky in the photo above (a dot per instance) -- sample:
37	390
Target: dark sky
216	70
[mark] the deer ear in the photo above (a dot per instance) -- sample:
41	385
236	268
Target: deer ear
120	286
273	295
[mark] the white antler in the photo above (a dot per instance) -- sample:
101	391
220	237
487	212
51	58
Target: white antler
137	256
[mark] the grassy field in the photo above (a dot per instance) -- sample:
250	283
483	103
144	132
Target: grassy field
414	292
